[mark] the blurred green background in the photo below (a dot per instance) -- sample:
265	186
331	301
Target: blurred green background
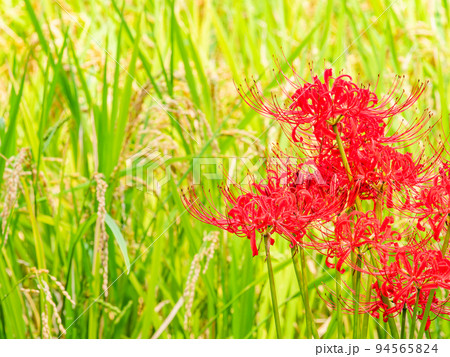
87	86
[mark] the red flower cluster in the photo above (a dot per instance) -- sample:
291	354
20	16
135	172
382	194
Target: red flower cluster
409	280
362	117
287	203
352	141
357	233
364	124
432	203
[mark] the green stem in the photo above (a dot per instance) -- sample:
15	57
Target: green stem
414	316
381	330
378	211
357	279
303	292
305	282
426	313
403	330
391	322
446	239
379	207
340	324
272	285
365	324
345	163
342	152
357	293
301	289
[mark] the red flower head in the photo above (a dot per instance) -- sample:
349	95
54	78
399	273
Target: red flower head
432	203
414	275
360	115
357	232
344	135
380	169
286	204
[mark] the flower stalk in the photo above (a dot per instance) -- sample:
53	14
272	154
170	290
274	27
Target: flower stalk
385	300
303	287
357	293
412	328
305	284
357	279
365	323
340	324
345	162
273	292
403	329
423	324
446	238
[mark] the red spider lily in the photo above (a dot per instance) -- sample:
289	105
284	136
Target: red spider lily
379	172
375	305
327	179
413	272
360	115
368	304
401	296
376	169
351	152
432	204
356	233
324	169
243	217
362	121
285	205
382	169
